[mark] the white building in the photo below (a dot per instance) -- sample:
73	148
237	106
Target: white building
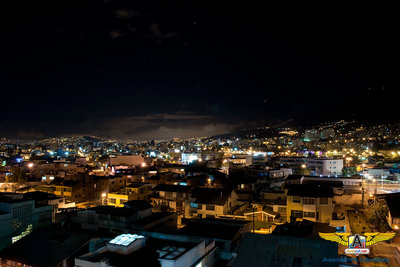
158	249
188	158
317	166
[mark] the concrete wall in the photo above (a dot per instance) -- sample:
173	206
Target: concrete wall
349	199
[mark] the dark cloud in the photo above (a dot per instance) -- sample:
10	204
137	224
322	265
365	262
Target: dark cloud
128	68
126	14
114	34
150	126
161	126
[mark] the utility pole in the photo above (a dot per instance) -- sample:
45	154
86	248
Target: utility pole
253	219
362	188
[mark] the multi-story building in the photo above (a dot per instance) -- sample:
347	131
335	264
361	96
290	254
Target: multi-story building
19	216
211	203
310	202
135	215
172	197
71	190
393	215
134	191
55	202
317	166
47	246
289	245
139	191
151	250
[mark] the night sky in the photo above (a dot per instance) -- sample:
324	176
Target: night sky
161	69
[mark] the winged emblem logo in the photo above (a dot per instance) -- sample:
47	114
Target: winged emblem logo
357	244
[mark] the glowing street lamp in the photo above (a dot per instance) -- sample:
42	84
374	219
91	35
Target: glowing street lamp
103	198
348	159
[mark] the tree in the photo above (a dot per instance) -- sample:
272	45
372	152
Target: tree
376	213
17	175
160	207
304	171
218	163
349	171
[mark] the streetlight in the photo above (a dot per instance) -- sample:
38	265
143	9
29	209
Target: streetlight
103	197
348	159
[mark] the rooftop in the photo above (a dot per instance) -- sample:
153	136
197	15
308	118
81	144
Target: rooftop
148	255
211	196
137	204
259	250
38	195
45	247
172	188
215	229
309	190
303	228
137	184
113	211
392	201
322	183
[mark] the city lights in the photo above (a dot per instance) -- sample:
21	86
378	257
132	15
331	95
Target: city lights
171	134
